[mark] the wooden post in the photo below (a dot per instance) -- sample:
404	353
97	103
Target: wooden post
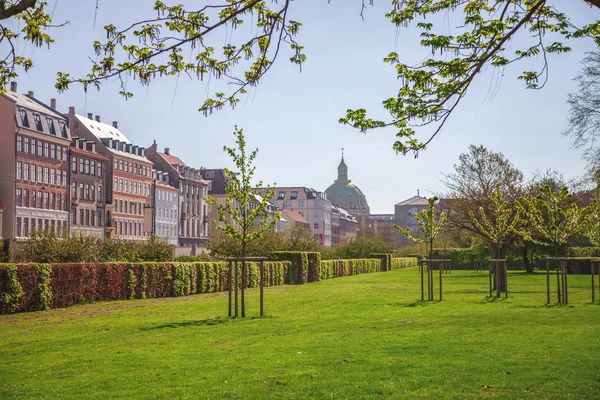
431	282
422	271
236	288
547	281
229	288
505	280
243	285
566	282
490	271
593	286
558	285
441	272
262	285
497	279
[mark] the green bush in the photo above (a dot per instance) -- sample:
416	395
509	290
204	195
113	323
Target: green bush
305	266
10	289
44	290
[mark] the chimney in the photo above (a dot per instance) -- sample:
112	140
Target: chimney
97	118
90	116
13	86
71	110
116	124
53	104
93	147
30	93
167	151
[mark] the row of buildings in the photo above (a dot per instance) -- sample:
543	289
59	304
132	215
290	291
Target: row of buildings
71	172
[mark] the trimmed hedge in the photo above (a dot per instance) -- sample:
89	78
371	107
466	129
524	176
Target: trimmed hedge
386	260
305	266
31	287
336	268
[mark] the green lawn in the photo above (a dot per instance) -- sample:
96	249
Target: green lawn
365	336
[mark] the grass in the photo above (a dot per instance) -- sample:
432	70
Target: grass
357	337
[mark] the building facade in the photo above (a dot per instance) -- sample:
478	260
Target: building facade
34	165
87	188
128	180
193	208
379	226
404	216
164	213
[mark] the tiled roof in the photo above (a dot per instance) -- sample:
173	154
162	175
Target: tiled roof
416	200
32	104
88	153
165	185
102	130
173	160
294	216
129	155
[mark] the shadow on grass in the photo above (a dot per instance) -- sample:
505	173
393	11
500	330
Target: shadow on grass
416	303
200	322
554	305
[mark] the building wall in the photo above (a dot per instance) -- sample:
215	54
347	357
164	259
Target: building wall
166	218
7	165
88	191
404	218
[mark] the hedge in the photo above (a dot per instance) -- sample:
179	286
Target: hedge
305	266
336	268
31	287
386	260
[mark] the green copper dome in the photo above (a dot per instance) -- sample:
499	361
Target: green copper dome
344	194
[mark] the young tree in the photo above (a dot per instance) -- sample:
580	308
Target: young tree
554	216
429	224
592	223
244	217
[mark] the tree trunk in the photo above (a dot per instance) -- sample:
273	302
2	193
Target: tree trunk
499	275
595	3
527	260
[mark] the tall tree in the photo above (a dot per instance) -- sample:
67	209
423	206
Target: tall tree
584	114
430	224
245	216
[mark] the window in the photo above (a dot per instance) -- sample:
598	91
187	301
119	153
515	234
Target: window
65	182
53	201
87	167
45	205
58	177
65	151
210	174
24	120
59	153
53	176
50	123
81	167
53	151
287	204
93	168
92	218
18	226
120	165
120	184
134	229
33	146
131	167
116	164
125	223
40	174
300	203
46	150
39	201
38	122
81	191
316	203
46	180
126	207
99	193
33	202
126	166
33	169
281	195
74	164
121	206
26	144
25	198
126	186
59	201
294	195
74	216
63	128
99	219
116	186
26	226
19	170
26	171
87	217
19	143
135	168
316	225
99	169
135	187
39	146
87	191
316	215
81	216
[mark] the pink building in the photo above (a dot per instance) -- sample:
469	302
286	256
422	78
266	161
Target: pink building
34	165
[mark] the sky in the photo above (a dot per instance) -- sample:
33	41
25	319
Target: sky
292	116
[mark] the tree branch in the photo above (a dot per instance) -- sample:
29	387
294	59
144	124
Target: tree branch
18	8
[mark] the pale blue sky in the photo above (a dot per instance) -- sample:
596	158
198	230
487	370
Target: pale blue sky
292	117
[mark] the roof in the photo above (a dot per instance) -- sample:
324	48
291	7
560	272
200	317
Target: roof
414	201
347	196
382	217
294	216
31	103
165	185
102	130
128	155
88	153
173	160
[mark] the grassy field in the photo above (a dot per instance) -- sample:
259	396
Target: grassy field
357	337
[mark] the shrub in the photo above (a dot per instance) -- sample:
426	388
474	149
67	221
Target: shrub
10	289
305	266
43	286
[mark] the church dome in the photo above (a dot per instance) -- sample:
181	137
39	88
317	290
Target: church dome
344	194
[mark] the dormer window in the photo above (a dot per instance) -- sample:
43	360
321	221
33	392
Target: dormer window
294	195
50	123
23	115
38	122
63	129
281	195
